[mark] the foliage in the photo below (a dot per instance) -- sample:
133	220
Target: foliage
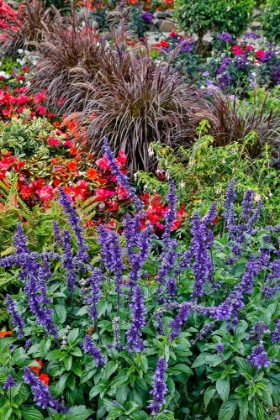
198	185
270	20
199	16
220	349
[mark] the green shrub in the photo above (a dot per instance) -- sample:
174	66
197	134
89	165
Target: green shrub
201	16
271	20
203	173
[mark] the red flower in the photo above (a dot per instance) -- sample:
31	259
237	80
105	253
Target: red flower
35	368
102	194
260	54
164	44
103	163
53	142
44	378
249	48
92	174
5	333
237	50
46	192
72	166
41	110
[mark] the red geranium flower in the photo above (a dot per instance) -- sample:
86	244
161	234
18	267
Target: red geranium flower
44	378
260	54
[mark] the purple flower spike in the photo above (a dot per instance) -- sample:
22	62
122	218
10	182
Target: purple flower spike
41	393
159	387
9	383
16	318
134	342
89	347
220	348
177	323
121	178
20	240
259	357
74	222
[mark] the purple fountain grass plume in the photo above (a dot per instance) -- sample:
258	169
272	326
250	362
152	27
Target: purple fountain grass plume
16	318
134	341
159	387
41	394
121	178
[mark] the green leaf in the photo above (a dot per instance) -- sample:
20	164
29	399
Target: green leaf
71	382
95	390
222	386
110	369
60	385
243	408
79	412
259	410
122	394
30	413
55	355
208	395
59	316
227	410
68	360
115	413
131	407
76	352
120	379
244	365
140	415
73	336
87	374
6	411
180	368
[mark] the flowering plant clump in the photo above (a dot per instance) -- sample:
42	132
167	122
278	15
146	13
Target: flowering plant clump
154	327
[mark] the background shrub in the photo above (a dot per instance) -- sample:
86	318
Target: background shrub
271	20
200	16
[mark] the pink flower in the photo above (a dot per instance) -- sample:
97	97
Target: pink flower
46	192
102	194
260	54
103	163
68	143
41	109
53	142
249	48
237	50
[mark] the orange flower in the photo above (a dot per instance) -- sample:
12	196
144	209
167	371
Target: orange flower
5	333
92	174
90	330
72	166
44	378
73	150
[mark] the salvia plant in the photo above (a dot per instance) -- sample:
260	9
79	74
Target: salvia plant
155	328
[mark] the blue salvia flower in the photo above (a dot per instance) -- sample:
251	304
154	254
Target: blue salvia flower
95	281
159	324
28	344
259	357
220	348
202	266
230	197
170	215
112	256
75	224
38	304
134	341
20	240
121	178
67	261
56	231
247	206
9	383
90	347
159	387
41	394
16	318
275	335
180	319
253	219
137	246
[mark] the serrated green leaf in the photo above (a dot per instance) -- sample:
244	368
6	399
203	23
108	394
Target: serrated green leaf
79	412
115	413
243	408
31	413
73	335
110	368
